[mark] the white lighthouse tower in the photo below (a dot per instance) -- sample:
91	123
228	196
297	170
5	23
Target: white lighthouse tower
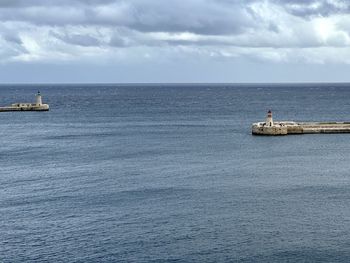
39	101
269	121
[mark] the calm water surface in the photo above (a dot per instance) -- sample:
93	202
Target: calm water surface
166	173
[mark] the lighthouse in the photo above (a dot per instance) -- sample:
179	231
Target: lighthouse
269	121
38	99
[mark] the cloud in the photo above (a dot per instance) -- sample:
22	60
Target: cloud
79	39
198	16
315	7
281	31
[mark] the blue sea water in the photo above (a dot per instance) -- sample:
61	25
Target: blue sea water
171	173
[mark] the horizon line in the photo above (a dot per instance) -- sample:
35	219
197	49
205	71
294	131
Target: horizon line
174	83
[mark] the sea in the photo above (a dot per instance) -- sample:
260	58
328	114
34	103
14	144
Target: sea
172	173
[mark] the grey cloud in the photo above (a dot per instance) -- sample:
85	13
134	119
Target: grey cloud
118	26
125	37
10	36
30	3
121	42
13	39
78	39
209	17
314	7
200	16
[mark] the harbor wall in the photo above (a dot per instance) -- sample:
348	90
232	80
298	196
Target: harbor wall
285	128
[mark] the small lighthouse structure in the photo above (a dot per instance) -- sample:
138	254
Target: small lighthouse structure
269	121
39	101
274	128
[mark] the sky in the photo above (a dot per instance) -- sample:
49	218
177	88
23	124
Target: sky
174	41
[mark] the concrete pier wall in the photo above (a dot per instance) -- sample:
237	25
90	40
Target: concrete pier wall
34	108
285	128
38	106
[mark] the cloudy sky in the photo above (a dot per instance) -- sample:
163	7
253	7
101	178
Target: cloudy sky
174	41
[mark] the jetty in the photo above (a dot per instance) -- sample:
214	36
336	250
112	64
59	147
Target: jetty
37	106
271	128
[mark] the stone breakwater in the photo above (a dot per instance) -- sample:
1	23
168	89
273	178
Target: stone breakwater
25	108
37	106
288	127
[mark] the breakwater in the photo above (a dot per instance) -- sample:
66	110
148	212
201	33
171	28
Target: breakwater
285	128
38	106
270	127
